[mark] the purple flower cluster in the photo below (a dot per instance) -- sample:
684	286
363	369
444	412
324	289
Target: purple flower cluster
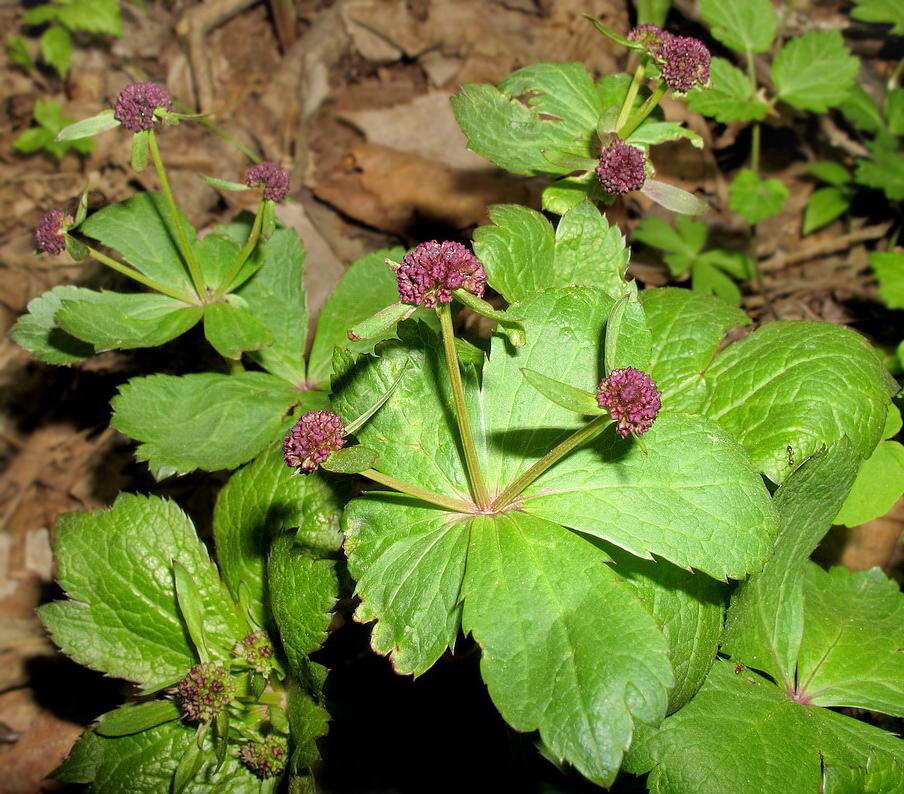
631	398
621	168
137	102
48	233
315	436
431	271
205	692
683	60
256	651
266	759
274	180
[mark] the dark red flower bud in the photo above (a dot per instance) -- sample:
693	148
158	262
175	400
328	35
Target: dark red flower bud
274	180
621	168
684	63
314	437
266	759
631	398
431	271
137	102
256	651
48	233
205	691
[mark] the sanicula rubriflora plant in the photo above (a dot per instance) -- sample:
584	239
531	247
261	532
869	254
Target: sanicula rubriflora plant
584	493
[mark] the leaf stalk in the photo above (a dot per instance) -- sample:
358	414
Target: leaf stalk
447	502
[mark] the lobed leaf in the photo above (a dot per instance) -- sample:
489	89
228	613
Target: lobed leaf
39	334
730	95
743	25
814	71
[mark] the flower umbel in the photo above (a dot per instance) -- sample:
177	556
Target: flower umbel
314	437
684	62
621	168
430	273
48	233
271	177
267	758
631	398
205	691
255	649
137	102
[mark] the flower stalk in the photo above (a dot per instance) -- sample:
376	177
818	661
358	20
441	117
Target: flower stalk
247	249
635	120
446	502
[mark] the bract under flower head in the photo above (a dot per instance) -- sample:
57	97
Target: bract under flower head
315	436
631	398
48	233
684	63
267	758
205	691
274	180
255	649
429	273
137	102
650	36
621	168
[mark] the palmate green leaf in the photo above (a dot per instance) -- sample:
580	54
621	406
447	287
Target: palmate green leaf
742	25
682	243
232	329
91	16
139	230
123	321
540	135
730	96
825	204
39	334
144	763
860	109
552	618
218	250
851	649
887	12
260	502
885	169
56	48
756	199
522	254
763	741
814	71
122	617
205	421
708	278
766	620
889	269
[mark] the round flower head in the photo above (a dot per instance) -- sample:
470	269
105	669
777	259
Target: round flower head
621	168
48	233
137	102
266	758
255	649
631	398
274	180
205	692
431	271
650	36
314	437
684	63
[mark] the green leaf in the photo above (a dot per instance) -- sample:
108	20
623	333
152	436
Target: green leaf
894	111
815	71
39	334
652	12
889	269
303	589
707	278
204	421
351	460
88	128
555	122
766	620
830	172
308	721
260	502
139	229
275	294
730	96
563	194
881	11
551	617
122	618
91	16
824	206
568	397
798	385
219	249
233	329
742	25
628	340
885	171
522	254
682	243
124	321
33	140
137	717
860	109
656	132
756	199
56	48
882	773
17	52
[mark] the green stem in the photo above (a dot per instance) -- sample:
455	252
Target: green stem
629	98
133	274
643	111
188	253
243	255
478	486
755	148
587	433
235	365
455	505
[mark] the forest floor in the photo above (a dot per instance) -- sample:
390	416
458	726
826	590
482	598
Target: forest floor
354	100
